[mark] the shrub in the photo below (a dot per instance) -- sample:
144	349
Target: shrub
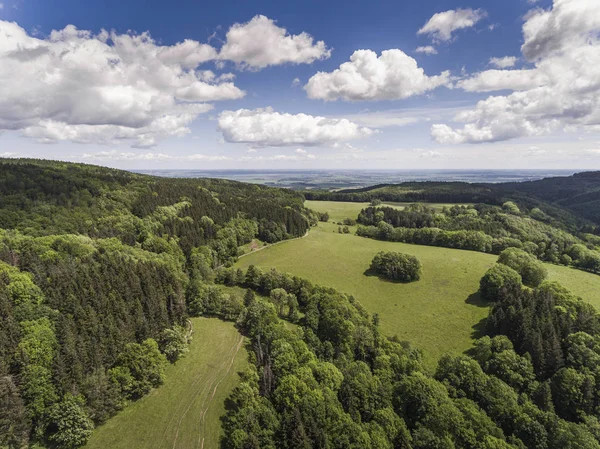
531	270
397	266
495	278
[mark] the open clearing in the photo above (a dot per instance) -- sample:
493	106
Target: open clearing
440	313
184	412
339	210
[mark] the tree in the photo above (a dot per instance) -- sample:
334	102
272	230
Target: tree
495	279
14	425
140	367
531	270
174	342
396	266
249	298
70	426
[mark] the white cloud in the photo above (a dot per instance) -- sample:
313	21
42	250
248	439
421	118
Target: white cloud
428	154
300	155
491	80
264	127
114	155
103	88
392	76
8	153
505	62
428	50
568	24
385	119
562	91
441	25
535	151
295	82
261	43
401	117
1	5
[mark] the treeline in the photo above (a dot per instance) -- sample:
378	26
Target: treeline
428	191
336	382
481	228
45	198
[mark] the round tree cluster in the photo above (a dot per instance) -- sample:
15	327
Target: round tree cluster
396	266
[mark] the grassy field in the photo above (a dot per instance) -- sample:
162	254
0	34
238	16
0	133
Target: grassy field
339	210
440	313
184	412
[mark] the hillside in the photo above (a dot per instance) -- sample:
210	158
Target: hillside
441	313
571	200
99	271
579	193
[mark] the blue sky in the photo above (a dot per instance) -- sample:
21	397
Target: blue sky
279	85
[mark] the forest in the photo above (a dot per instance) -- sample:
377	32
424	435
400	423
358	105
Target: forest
484	228
101	269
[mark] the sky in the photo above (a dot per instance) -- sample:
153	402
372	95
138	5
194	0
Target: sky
302	85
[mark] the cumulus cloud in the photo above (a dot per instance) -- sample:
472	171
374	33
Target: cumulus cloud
265	127
441	25
505	62
261	43
568	24
428	50
103	88
392	76
562	91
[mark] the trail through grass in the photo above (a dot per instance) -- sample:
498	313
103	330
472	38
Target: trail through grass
184	412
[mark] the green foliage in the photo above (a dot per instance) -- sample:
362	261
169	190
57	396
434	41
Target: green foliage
495	279
397	266
14	425
174	342
71	427
140	367
531	270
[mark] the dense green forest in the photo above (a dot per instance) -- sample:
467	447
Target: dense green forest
337	382
100	270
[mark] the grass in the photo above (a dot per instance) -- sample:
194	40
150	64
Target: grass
184	412
441	313
339	210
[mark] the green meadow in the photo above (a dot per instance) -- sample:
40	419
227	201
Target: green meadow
185	412
441	313
339	210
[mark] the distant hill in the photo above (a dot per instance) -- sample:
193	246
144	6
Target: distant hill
574	200
579	193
